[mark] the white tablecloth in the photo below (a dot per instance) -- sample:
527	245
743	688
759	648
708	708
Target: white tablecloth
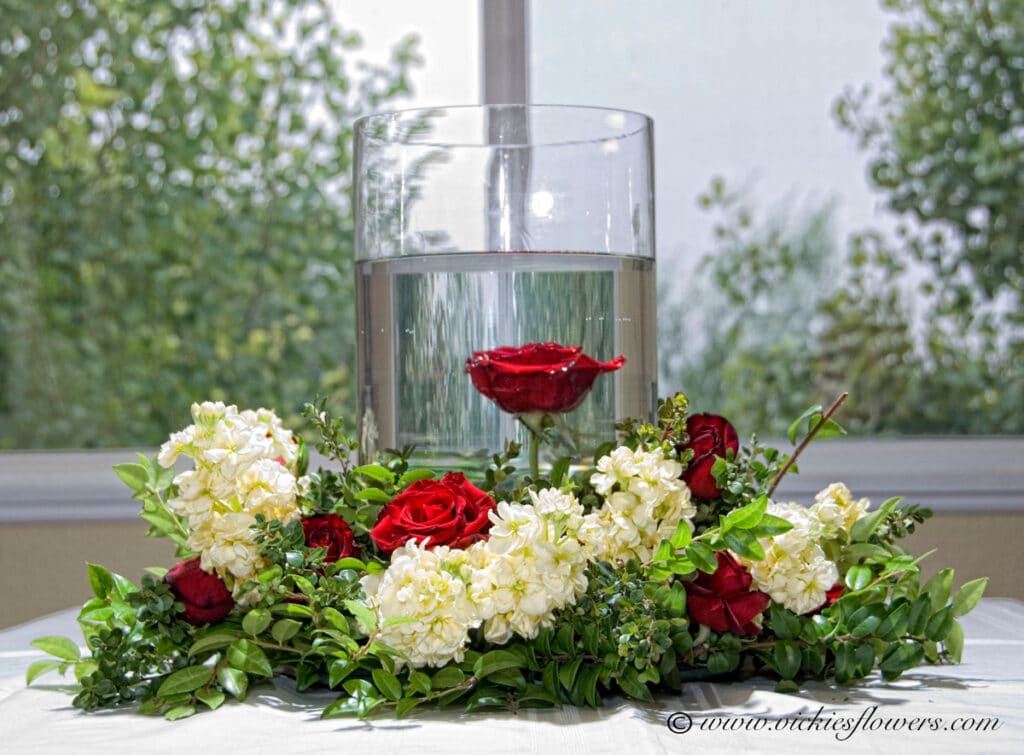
989	685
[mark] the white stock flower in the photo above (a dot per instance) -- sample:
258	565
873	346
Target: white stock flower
837	510
531	565
648	504
420	584
795	571
240	471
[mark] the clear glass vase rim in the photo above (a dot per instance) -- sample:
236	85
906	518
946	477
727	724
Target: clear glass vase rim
642	122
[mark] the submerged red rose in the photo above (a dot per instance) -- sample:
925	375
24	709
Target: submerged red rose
723	601
205	596
710	436
450	511
537	377
330	531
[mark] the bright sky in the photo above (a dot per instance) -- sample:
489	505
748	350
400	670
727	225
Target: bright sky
448	31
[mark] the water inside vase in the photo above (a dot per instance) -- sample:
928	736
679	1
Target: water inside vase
420	318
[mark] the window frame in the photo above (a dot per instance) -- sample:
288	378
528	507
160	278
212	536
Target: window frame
955	474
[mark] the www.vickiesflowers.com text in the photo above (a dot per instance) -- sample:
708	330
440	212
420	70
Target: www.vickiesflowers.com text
842	725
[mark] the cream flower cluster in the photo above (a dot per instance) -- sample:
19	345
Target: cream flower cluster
429	587
837	510
644	502
531	565
795	570
534	565
241	470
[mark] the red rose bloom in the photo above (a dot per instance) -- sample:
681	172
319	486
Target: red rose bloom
450	511
537	377
330	531
206	597
723	601
710	436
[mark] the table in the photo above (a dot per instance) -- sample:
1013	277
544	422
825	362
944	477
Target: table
986	692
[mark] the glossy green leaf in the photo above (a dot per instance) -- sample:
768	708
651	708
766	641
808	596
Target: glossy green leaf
968	595
954	642
375	472
682	535
494	661
866	526
212	642
187	679
284	630
248	657
212	698
858	577
372	494
703	556
234	681
38	668
387	683
900	657
940	624
179	712
59	647
256	621
745	517
449	676
787	657
366	618
938	588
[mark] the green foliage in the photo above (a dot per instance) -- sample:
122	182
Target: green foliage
941	136
786	324
943	151
746	349
628	633
174	209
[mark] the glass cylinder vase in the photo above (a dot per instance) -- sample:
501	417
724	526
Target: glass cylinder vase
505	280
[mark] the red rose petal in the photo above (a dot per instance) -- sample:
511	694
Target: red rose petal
450	511
537	377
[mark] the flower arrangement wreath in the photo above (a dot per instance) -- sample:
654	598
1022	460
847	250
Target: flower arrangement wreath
667	561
